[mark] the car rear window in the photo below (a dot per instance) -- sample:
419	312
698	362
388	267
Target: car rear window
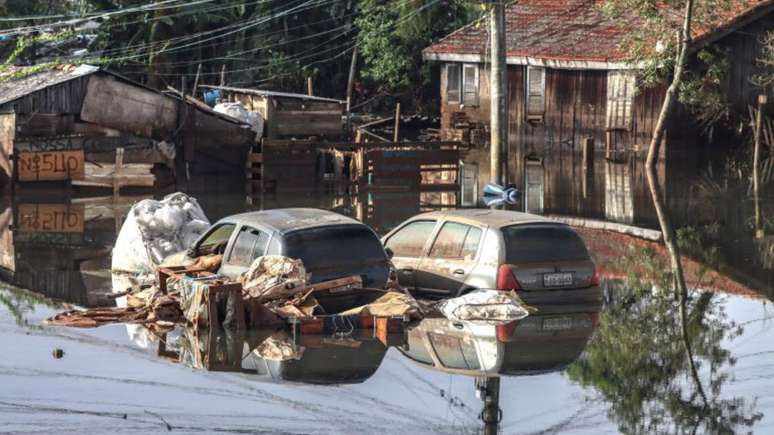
333	246
539	243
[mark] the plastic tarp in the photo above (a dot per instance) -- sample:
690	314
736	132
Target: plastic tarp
489	307
238	111
154	230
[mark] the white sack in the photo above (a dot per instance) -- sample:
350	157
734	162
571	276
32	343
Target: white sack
487	307
154	230
238	111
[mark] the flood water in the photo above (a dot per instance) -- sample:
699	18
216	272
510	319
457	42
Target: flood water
574	369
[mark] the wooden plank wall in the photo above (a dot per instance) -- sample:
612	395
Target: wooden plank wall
115	104
743	47
294	117
478	114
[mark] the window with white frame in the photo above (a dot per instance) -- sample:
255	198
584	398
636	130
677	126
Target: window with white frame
462	84
621	89
536	92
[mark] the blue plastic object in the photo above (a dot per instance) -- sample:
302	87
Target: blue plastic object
498	195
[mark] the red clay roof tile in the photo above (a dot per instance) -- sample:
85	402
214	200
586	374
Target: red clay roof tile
568	30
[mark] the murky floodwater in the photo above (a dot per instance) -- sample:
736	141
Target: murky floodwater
623	368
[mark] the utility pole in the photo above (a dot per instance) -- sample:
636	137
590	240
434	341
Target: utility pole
498	84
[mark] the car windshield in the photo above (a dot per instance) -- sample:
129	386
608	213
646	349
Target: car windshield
541	243
334	246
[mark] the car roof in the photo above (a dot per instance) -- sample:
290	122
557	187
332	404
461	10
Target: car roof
285	220
489	217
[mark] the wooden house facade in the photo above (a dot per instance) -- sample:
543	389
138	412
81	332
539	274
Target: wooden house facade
569	82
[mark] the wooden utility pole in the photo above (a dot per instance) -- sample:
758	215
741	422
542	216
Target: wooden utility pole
757	164
223	75
196	81
498	84
309	86
396	133
351	80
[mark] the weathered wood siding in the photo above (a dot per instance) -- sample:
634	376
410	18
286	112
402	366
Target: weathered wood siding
575	109
62	98
743	48
477	114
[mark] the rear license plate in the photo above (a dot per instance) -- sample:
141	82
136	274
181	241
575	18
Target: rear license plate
557	324
557	279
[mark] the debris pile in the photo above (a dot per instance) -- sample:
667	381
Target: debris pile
147	307
273	286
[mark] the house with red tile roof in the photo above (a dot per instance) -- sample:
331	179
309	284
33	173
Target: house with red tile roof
569	80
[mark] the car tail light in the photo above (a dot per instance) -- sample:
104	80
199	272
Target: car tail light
595	277
506	280
505	332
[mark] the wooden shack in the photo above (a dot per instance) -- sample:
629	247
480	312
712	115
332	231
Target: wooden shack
53	122
288	115
568	81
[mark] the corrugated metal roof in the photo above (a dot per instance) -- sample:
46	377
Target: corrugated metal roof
14	89
265	93
570	30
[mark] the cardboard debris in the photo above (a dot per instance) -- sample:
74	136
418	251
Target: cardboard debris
209	263
391	304
279	347
272	277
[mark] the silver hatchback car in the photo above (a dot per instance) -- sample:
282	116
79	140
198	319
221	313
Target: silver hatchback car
447	253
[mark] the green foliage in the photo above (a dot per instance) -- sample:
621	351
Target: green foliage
638	363
652	45
20	302
701	89
765	78
392	35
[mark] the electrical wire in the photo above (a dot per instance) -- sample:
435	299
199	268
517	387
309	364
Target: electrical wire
76	20
292	58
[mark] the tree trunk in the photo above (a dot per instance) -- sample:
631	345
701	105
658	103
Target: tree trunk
657	193
653	152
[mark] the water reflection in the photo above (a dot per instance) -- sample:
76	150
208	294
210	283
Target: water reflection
276	355
630	358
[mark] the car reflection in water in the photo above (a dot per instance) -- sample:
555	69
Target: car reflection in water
277	355
541	343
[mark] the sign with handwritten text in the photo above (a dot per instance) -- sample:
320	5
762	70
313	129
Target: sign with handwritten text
51	166
51	218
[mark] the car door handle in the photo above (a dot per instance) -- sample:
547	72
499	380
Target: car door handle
459	272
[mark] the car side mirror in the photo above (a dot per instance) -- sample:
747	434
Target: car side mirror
389	253
192	252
